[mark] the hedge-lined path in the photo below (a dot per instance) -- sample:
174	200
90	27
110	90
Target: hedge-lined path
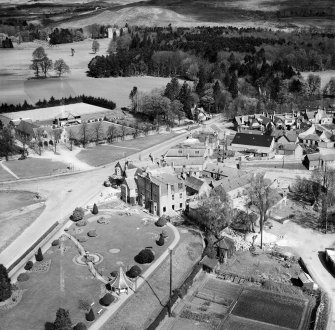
124	297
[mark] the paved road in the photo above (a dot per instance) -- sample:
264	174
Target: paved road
60	202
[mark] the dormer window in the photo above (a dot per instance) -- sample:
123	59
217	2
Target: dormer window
180	151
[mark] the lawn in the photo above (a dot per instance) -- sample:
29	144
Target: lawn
5	176
66	282
35	167
143	307
268	307
239	323
14	199
108	153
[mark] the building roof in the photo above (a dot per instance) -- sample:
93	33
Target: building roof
313	157
131	183
121	282
225	243
288	147
208	262
26	128
312	137
183	161
291	136
253	140
222	170
230	184
5	120
328	157
194	183
52	112
182	150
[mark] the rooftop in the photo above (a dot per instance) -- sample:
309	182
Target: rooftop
253	140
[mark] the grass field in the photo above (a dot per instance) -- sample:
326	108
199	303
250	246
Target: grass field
35	167
11	200
5	176
324	75
15	88
104	154
270	308
66	282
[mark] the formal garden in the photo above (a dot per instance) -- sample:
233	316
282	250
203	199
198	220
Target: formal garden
60	277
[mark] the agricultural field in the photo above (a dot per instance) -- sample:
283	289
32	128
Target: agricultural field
15	87
59	280
223	305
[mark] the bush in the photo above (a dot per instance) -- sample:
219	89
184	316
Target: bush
39	255
95	209
114	273
23	277
55	242
81	223
162	221
92	233
5	286
80	326
164	233
82	239
160	241
90	316
146	256
84	304
106	300
78	214
134	271
29	265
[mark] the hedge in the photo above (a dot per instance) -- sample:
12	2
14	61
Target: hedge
29	265
55	242
23	277
17	261
134	271
81	223
146	256
106	300
160	241
80	326
184	287
78	214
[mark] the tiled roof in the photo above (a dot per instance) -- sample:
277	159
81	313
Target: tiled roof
183	150
26	128
291	136
233	183
194	183
131	183
312	137
181	161
222	170
253	140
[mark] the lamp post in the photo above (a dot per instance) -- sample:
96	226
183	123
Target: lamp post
170	295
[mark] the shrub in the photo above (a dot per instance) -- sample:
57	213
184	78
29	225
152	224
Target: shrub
55	242
5	286
81	223
82	239
29	265
84	304
134	271
23	277
162	221
107	299
63	320
114	273
164	233
39	255
90	316
92	233
78	214
146	256
95	209
80	326
160	241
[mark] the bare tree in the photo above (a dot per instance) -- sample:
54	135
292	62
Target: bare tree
262	196
111	133
95	46
84	133
123	131
46	65
61	67
39	139
98	131
56	135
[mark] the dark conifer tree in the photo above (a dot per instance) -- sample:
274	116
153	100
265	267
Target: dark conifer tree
5	286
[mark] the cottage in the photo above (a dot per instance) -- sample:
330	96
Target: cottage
129	190
257	144
290	150
289	138
312	161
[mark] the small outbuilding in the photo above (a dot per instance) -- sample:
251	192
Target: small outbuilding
306	281
209	265
225	248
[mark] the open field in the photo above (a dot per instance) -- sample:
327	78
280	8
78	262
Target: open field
35	167
224	305
11	200
324	75
15	88
66	282
105	154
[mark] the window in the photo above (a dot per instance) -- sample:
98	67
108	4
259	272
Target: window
197	152
172	207
181	205
164	209
172	189
180	151
180	186
155	208
181	195
173	197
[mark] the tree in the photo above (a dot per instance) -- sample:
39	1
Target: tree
71	137
313	85
160	241
107	299
112	47
63	320
80	326
56	136
145	256
95	209
45	65
216	95
329	89
61	67
39	139
186	99
262	196
84	133
7	146
98	131
155	106
134	271
111	130
5	285
172	89
215	211
39	255
38	55
177	108
95	46
233	86
78	214
134	98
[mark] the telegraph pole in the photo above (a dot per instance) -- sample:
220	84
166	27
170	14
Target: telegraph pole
170	251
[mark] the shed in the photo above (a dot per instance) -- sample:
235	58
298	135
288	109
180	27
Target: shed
306	280
225	248
209	265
